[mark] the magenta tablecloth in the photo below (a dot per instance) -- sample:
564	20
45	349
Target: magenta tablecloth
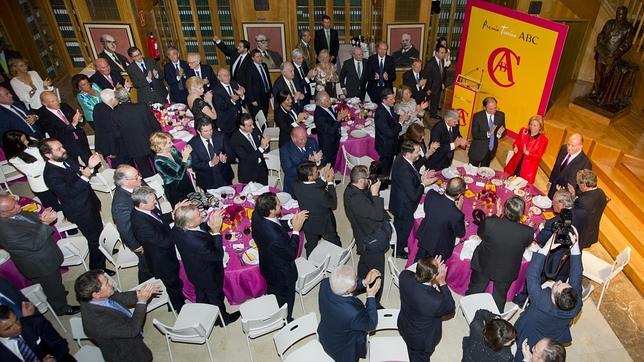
459	271
358	147
241	282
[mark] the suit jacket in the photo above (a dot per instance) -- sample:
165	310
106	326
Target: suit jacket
108	139
474	347
594	203
310	55
136	124
42	339
365	212
355	86
284	120
30	245
102	81
344	324
500	253
14	296
251	163
75	195
569	174
280	85
290	157
443	223
328	129
238	73
216	176
122	67
418	93
405	59
434	75
10	120
227	111
406	188
480	141
118	336
206	73
444	155
320	42
303	81
256	92
202	255
177	87
374	86
158	244
150	92
422	308
73	138
387	129
320	200
122	207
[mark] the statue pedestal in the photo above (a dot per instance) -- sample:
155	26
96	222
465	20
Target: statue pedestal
606	114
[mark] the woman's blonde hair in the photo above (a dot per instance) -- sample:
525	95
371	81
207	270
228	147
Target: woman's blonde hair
13	65
538	119
158	139
194	82
399	93
324	52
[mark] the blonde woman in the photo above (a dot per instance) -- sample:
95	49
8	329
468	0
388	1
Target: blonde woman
200	103
327	76
406	104
27	83
172	165
528	149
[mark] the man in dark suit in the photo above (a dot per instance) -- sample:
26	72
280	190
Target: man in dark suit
407	186
498	256
415	79
305	47
202	255
175	72
287	82
407	52
551	309
293	153
388	126
260	92
425	300
319	198
570	160
152	230
62	123
202	71
381	72
107	319
437	233
106	77
353	75
592	200
211	156
135	124
328	125
279	250
344	320
127	180
30	338
435	72
14	115
227	98
304	75
327	38
249	146
27	237
146	78
108	139
116	60
488	127
448	135
239	59
70	183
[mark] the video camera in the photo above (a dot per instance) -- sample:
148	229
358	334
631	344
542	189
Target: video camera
562	229
375	174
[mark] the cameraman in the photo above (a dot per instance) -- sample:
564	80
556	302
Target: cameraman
365	210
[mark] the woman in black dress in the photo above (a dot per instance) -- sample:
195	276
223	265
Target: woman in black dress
172	165
285	116
200	104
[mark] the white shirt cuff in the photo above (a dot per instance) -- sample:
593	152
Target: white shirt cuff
452	146
294	124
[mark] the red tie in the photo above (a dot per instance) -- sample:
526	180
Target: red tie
66	122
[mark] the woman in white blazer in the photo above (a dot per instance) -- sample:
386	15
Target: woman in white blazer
27	84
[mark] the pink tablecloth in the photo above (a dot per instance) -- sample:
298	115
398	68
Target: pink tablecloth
241	281
459	271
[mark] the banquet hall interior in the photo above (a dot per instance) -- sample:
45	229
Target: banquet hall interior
59	39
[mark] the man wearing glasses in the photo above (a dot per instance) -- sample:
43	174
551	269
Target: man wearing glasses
117	61
270	57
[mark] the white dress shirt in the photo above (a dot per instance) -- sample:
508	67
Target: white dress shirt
12	345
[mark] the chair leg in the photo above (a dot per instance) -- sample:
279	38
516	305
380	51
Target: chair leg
209	351
250	351
223	323
55	316
84	264
601	296
118	275
167	342
391	285
302	302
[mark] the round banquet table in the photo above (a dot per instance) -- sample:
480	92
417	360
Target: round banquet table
241	281
177	120
459	271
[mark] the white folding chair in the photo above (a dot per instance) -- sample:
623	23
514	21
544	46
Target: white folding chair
393	241
387	348
339	256
194	325
75	250
62	224
36	295
159	299
469	304
260	316
602	272
8	173
395	272
308	276
350	161
273	133
107	241
273	165
295	331
104	181
85	353
260	120
386	196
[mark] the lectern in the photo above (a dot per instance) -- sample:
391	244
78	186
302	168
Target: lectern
466	100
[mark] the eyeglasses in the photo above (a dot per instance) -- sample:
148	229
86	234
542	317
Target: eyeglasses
110	41
262	41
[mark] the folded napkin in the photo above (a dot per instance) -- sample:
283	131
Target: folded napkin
189	114
344	138
420	212
469	246
254	188
470	169
291	204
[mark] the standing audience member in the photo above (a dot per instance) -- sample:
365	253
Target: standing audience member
425	300
108	140
490	340
108	78
249	146
239	59
449	137
228	96
546	350
260	86
488	127
571	158
304	46
210	156
27	84
201	71
416	133
146	78
304	75
528	149
327	75
388	126
435	73
327	123
88	96
174	73
285	117
381	72
287	82
293	153
15	116
173	166
417	81
200	106
593	200
353	75
327	38
117	61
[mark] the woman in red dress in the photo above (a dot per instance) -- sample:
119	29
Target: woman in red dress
529	146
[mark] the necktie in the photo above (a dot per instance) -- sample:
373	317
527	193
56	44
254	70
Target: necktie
230	91
328	38
211	149
119	307
301	72
10	304
156	217
22	218
291	88
252	142
3	63
22	115
303	150
417	78
450	132
359	66
565	162
109	79
66	122
382	72
198	73
116	59
490	124
293	115
143	68
267	88
27	354
176	66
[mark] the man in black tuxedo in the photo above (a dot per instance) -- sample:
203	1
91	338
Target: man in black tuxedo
249	146
435	73
304	75
498	256
14	115
202	71
116	60
202	255
300	148
62	123
146	78
407	186
437	233
319	198
70	183
447	134
327	38
353	75
328	125
570	160
593	200
211	156
239	59
227	98
152	230
488	127
407	52
287	82
388	126
260	92
108	139
106	77
174	73
279	250
415	79
381	72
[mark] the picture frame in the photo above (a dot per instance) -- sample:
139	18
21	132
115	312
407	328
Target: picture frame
274	32
122	33
394	36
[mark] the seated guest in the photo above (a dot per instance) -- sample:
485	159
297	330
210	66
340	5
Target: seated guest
200	106
286	118
425	300
593	201
108	140
228	97
287	82
388	127
27	84
498	256
174	73
62	123
24	155
416	133
260	87
318	197
108	78
528	149
344	320
551	309
327	123
448	136
88	96
488	127
210	156
279	250
546	350
152	230
201	71
107	319
570	160
15	116
437	234
406	104
293	153
172	165
202	254
490	339
250	146
417	81
30	338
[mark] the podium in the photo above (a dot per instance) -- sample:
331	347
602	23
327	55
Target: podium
466	99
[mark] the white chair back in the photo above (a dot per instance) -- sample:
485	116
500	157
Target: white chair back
469	304
78	332
108	239
308	281
387	319
345	255
192	333
260	120
262	315
393	269
36	295
156	182
159	299
272	162
349	158
295	331
621	261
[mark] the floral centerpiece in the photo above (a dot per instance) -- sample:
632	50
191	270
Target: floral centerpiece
486	199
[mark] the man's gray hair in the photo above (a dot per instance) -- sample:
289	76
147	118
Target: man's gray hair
285	65
122	95
140	195
296	52
564	197
195	56
183	215
107	95
356	49
319	95
120	174
451	114
342	280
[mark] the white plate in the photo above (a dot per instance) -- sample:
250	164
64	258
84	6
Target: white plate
542	202
370	106
284	197
449	173
255	255
497	182
287	217
310	107
468	180
222	190
486	172
535	210
358	133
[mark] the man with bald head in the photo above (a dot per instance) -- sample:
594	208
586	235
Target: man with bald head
293	153
228	96
117	61
14	115
570	160
106	77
